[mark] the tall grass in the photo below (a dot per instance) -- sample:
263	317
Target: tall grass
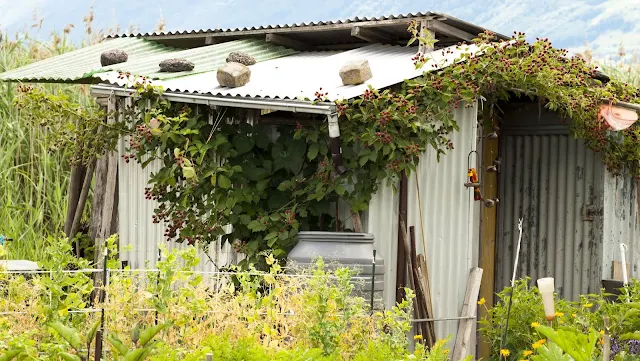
33	179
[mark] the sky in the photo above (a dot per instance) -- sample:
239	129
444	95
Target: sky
601	25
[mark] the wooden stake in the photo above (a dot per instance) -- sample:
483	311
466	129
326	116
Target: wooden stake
469	308
428	327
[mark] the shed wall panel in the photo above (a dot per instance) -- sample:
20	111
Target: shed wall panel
621	224
548	179
449	220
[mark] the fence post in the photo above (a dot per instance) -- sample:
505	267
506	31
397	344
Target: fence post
209	357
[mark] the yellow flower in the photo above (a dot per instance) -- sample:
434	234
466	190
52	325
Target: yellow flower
535	324
270	259
417	337
560	322
602	332
526	353
538	344
574	315
587	305
505	352
559	314
446	352
482	301
601	342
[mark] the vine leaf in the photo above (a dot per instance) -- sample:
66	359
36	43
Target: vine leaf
224	182
313	151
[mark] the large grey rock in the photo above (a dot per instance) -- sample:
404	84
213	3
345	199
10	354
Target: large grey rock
176	65
242	58
233	75
355	72
114	56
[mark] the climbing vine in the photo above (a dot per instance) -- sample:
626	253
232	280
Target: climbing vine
268	182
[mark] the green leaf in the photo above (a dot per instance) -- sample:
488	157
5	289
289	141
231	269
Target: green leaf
148	334
313	151
340	189
271	235
213	179
118	345
92	331
11	354
245	219
363	161
552	352
188	172
242	143
135	355
262	185
224	182
69	357
284	235
70	335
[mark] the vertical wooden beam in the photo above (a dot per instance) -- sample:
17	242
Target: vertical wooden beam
401	264
104	207
425	32
489	228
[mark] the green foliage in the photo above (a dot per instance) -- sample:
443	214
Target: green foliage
142	347
580	346
552	352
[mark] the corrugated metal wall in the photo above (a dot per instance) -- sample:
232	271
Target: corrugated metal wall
547	177
450	219
621	223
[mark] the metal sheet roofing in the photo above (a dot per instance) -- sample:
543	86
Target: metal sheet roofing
80	64
300	76
83	65
474	29
206	59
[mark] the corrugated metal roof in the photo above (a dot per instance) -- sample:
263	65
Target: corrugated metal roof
83	65
206	59
300	76
432	15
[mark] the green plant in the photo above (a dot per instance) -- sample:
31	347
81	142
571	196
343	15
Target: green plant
143	343
73	338
580	346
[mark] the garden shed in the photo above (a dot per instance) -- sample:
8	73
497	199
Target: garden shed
575	212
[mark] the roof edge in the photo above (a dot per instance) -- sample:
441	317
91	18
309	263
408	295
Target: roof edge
296	106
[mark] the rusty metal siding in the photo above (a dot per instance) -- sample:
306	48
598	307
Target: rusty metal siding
621	223
549	179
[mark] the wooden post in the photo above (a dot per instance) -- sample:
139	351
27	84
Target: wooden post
489	227
103	221
425	32
401	264
469	307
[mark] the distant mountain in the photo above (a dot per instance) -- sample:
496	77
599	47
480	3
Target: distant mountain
603	24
